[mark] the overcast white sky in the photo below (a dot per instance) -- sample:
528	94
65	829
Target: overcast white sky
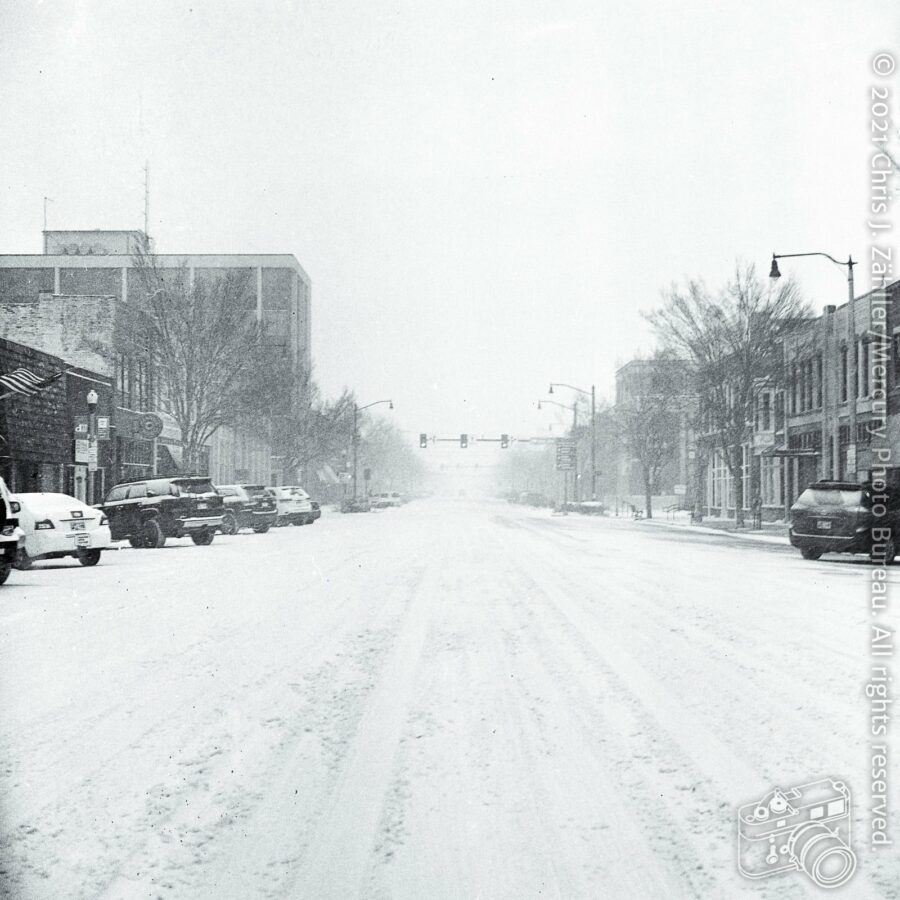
484	194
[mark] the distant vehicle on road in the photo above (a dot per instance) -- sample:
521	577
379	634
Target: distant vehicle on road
57	525
533	498
293	504
148	512
355	505
246	506
844	517
11	535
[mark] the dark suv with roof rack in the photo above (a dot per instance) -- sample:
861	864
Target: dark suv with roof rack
845	517
148	512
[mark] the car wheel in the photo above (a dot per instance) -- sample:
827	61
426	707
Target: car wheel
885	559
229	524
809	553
89	557
136	542
152	537
5	568
23	561
261	529
203	537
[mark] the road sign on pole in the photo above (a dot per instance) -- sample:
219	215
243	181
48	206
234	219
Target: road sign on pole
565	454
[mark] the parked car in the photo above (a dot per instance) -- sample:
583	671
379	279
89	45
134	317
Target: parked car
57	525
293	504
246	506
11	535
355	505
843	517
148	512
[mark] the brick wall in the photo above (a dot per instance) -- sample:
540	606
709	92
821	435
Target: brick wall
78	329
37	441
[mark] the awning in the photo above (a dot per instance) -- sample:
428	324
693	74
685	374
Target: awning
791	452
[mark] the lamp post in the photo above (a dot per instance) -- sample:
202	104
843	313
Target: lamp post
593	395
357	409
853	367
92	400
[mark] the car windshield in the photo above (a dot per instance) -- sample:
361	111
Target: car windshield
839	498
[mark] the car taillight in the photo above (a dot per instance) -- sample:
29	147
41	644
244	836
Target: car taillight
8	530
43	525
104	520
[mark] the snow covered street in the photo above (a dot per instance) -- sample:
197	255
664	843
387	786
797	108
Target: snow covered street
450	699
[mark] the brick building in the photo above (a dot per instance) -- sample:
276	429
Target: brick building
37	450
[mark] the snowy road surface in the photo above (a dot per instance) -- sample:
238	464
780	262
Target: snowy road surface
444	700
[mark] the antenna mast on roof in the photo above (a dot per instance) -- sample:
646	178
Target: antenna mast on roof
147	200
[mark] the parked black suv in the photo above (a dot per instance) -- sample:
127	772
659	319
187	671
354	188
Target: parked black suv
843	517
148	512
247	506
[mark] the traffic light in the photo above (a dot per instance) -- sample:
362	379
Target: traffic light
504	441
423	440
463	441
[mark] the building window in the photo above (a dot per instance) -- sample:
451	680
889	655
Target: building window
794	408
766	411
844	374
818	381
864	374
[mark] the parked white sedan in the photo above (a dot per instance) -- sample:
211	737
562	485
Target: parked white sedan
57	525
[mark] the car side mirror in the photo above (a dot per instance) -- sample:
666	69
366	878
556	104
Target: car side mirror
15	506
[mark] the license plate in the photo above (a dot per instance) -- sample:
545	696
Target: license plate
83	540
76	526
823	525
202	506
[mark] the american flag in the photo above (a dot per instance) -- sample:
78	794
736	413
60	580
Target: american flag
24	382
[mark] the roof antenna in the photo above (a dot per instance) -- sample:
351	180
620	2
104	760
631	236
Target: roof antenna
147	201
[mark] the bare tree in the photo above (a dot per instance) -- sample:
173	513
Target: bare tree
650	417
733	340
215	363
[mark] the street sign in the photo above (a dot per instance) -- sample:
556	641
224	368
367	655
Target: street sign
565	454
102	428
92	456
81	450
82	426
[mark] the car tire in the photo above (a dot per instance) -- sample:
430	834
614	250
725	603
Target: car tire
229	524
136	542
23	561
152	537
261	529
890	552
88	557
809	553
204	537
5	568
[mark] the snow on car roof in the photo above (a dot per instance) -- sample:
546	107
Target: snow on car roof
51	501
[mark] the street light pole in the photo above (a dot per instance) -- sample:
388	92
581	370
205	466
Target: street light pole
92	400
357	409
593	395
852	366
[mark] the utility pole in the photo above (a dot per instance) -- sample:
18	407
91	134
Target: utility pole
147	202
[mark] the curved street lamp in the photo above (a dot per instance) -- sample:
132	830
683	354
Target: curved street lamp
853	365
357	409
